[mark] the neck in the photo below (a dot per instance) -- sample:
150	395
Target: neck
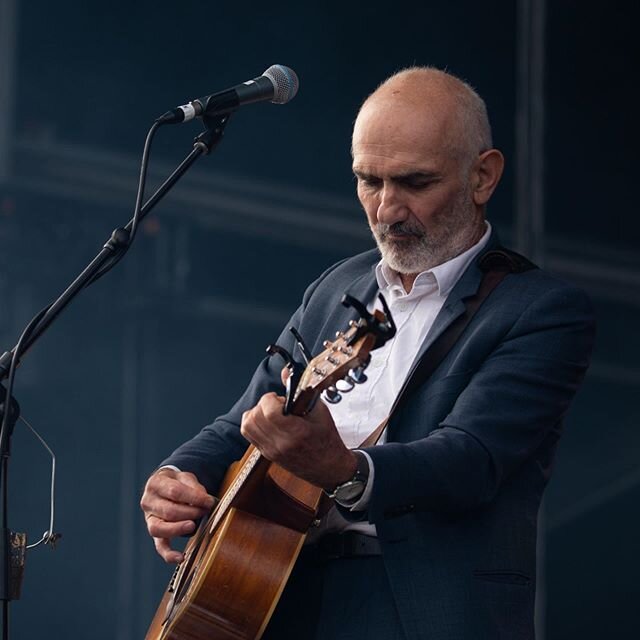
407	280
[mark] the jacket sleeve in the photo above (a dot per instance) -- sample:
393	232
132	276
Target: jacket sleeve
515	400
209	454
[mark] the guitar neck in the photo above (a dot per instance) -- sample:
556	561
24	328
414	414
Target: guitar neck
241	474
349	351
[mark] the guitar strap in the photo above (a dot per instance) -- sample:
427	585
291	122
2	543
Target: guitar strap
496	264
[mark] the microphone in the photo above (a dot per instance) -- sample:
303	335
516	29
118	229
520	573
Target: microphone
278	83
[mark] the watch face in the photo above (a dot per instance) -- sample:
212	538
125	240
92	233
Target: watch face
350	490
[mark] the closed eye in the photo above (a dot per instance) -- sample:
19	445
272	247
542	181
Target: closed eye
413	181
417	181
417	185
367	180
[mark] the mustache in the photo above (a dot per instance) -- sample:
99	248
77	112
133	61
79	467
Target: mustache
405	228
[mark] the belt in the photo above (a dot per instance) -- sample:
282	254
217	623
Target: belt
349	544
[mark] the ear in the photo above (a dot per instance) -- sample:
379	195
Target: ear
486	175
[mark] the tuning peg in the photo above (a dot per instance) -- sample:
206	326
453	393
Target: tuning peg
358	375
345	385
331	395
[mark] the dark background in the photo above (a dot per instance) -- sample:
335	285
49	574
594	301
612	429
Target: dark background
167	340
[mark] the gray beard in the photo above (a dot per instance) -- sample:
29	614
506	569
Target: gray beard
422	251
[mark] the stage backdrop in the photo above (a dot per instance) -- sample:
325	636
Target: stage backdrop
166	341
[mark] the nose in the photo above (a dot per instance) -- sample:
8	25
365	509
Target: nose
391	207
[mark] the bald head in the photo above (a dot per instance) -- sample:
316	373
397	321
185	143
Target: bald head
425	168
432	98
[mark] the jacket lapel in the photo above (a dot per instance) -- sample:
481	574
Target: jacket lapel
365	287
454	305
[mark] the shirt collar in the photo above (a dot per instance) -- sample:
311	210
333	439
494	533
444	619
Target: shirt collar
445	275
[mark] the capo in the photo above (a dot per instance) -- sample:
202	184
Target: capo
296	369
304	350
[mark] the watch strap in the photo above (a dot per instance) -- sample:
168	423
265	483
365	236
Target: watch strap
360	478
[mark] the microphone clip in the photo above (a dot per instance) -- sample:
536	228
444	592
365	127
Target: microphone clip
214	127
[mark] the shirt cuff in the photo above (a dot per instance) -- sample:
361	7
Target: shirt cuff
362	503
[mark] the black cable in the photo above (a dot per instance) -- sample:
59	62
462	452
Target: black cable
122	250
106	260
119	251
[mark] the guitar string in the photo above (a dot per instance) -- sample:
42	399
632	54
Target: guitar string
219	512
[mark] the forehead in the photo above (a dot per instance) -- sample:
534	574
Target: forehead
391	138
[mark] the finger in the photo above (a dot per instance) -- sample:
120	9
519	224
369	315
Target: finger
152	502
272	405
265	425
159	528
284	375
176	490
172	511
191	480
250	419
265	431
166	552
254	423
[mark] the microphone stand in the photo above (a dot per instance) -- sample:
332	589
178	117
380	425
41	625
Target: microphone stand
12	546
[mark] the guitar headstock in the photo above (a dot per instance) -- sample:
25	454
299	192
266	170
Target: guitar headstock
342	363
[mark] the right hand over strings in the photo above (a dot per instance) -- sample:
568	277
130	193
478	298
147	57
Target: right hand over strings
172	501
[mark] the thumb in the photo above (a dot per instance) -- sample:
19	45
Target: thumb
284	375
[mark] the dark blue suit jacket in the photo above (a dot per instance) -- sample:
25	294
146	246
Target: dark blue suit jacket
459	482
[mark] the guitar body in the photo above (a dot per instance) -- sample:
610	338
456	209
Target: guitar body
237	563
242	577
231	580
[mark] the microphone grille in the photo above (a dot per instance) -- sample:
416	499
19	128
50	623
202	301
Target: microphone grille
285	83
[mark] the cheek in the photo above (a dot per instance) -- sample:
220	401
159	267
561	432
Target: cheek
370	205
432	208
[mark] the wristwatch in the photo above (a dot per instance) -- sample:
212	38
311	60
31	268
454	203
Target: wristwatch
351	490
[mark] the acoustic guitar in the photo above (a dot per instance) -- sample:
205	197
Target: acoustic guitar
237	563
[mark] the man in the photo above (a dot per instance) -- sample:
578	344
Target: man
442	522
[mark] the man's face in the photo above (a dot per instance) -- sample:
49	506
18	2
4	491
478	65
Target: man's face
414	185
